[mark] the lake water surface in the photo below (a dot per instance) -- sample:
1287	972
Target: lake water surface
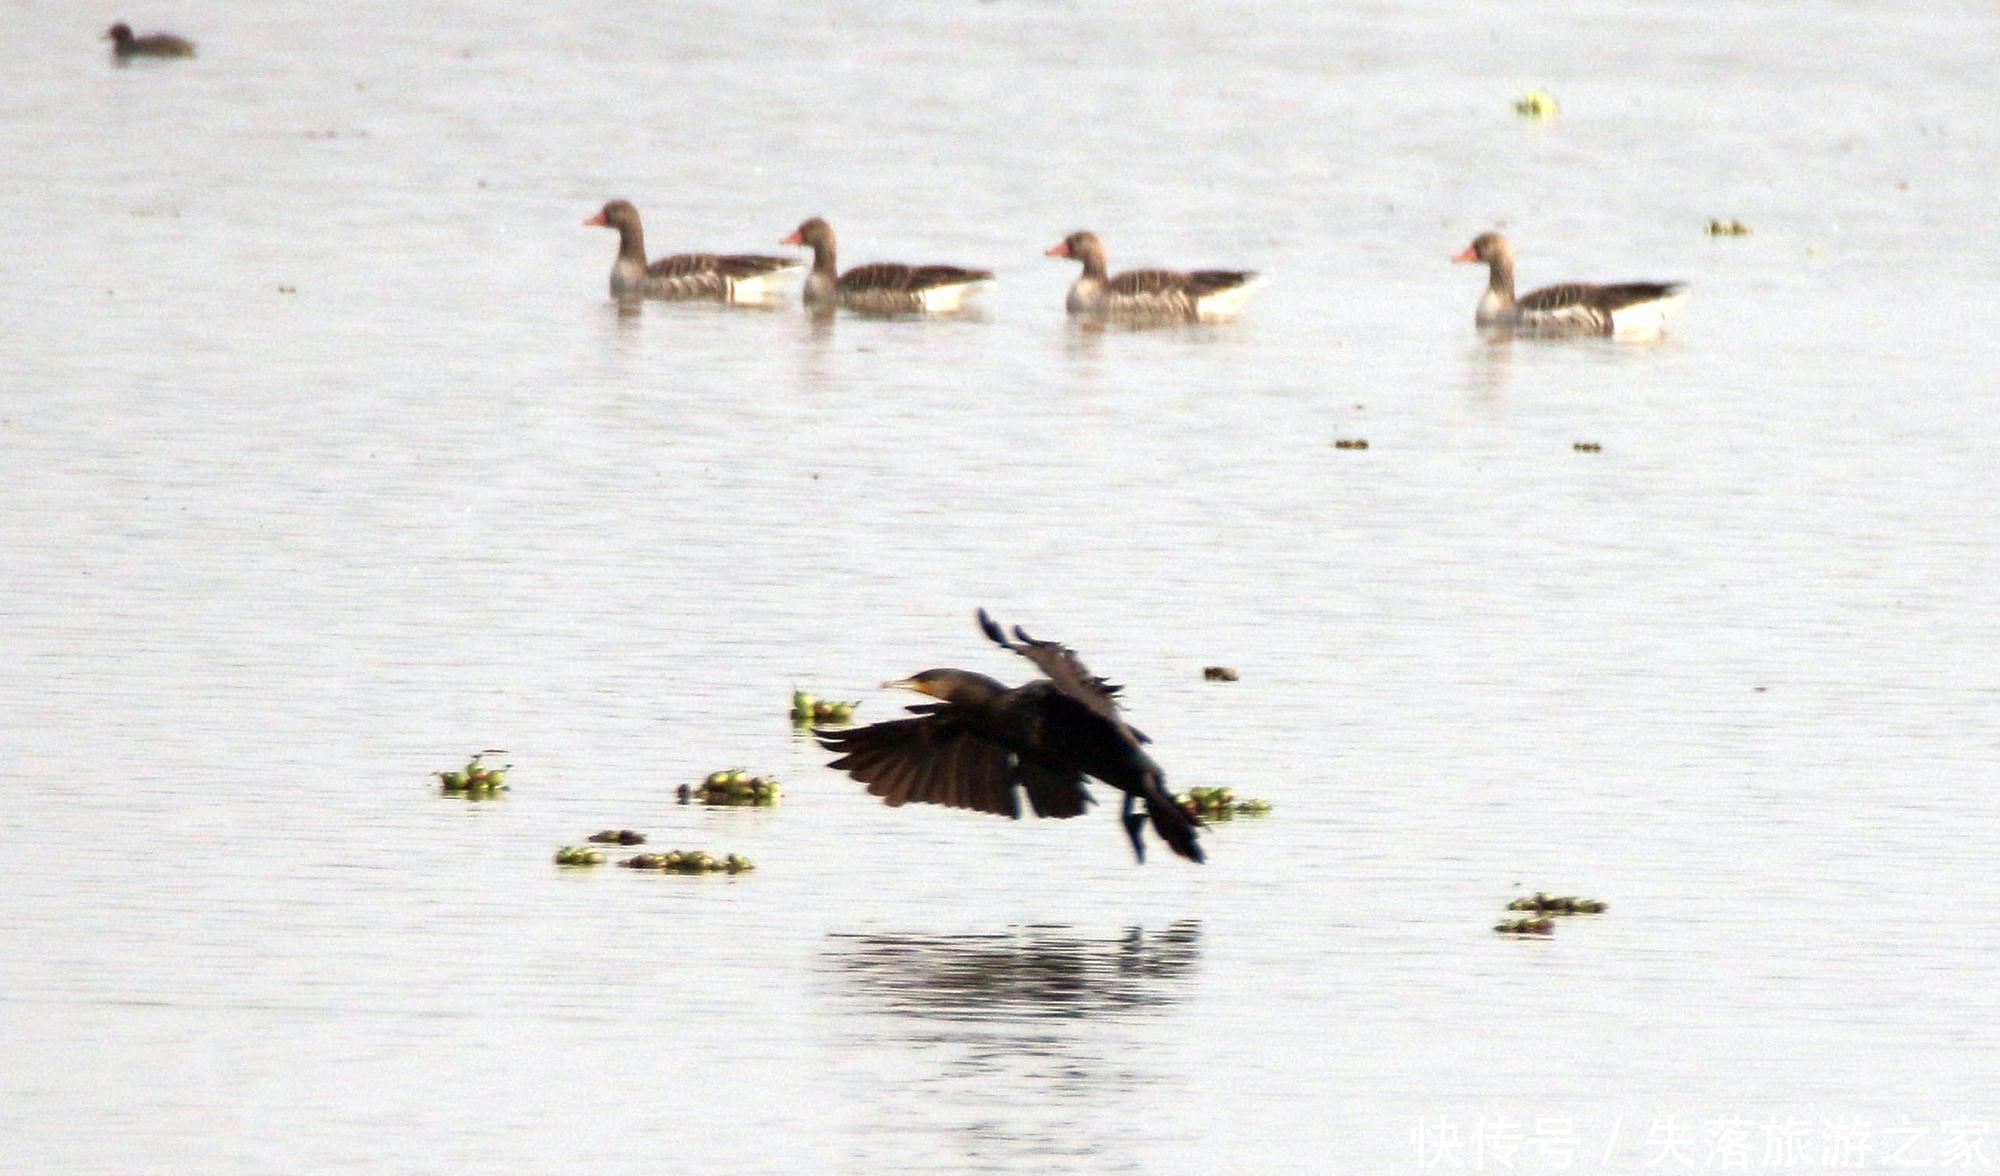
268	558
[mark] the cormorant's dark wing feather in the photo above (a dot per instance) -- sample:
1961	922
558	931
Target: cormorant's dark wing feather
936	759
931	759
1052	793
1062	667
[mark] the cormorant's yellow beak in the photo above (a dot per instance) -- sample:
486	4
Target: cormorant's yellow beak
906	684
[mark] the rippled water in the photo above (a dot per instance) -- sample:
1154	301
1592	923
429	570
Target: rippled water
270	557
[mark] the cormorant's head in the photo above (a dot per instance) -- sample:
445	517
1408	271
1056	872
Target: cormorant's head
958	686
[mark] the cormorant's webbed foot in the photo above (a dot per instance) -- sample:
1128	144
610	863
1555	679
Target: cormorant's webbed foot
1134	822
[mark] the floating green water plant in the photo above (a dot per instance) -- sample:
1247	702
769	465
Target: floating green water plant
1536	104
808	710
1718	227
475	779
578	855
618	837
690	861
1220	804
1218	674
1543	926
735	786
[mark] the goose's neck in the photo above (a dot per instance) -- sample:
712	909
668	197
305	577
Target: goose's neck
1093	265
632	243
823	257
1500	280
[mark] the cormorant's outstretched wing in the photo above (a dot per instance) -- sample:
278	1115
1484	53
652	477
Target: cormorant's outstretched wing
936	759
1063	667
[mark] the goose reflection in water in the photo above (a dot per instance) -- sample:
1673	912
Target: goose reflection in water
1028	973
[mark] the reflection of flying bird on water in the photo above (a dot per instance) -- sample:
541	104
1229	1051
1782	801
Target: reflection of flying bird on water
1020	973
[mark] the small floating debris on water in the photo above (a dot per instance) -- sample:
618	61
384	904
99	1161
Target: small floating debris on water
1220	804
807	710
1218	674
1526	927
475	779
618	837
1588	447
1718	227
736	786
1536	104
288	289
1562	904
1351	443
578	855
681	861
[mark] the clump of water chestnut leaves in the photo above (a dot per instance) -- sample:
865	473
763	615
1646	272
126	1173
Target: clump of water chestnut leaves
1540	907
1536	104
475	779
1220	804
734	786
578	855
685	861
807	710
1559	904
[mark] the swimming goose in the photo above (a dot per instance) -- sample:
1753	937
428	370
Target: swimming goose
1575	308
1150	293
730	277
124	44
883	287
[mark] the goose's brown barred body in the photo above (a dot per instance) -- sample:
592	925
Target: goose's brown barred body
716	277
985	746
1573	308
882	287
1149	293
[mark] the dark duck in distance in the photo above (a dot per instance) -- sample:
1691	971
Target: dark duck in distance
1574	308
983	745
715	277
124	44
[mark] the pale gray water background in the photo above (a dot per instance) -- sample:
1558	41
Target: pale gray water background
267	559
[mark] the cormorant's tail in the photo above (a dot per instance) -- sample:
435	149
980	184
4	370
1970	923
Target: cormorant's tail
1175	825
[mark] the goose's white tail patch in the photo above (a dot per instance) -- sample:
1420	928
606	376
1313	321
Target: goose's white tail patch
763	287
1224	303
1646	317
945	299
